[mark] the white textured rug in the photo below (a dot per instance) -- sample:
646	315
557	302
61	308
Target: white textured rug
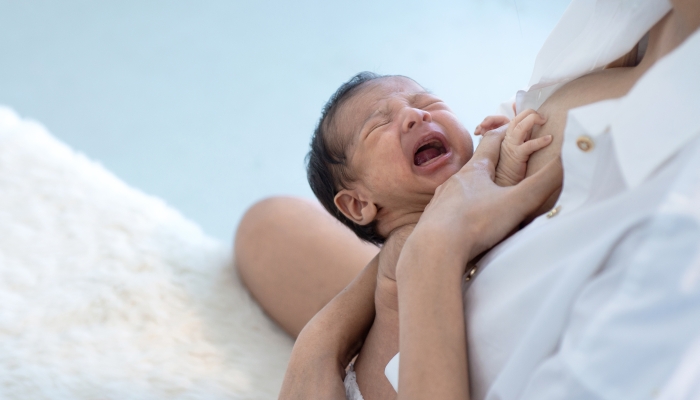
107	293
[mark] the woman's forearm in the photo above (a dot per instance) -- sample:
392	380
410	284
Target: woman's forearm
329	341
433	347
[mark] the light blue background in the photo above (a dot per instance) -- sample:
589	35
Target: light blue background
210	104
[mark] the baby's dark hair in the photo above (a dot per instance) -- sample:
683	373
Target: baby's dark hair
326	168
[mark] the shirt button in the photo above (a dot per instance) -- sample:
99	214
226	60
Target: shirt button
553	212
470	274
585	143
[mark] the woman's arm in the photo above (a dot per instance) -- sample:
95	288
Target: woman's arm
330	340
468	214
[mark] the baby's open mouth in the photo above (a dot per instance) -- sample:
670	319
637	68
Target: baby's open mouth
429	151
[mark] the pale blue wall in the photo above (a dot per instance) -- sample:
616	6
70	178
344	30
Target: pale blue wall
210	104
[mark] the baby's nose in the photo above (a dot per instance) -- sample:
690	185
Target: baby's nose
416	116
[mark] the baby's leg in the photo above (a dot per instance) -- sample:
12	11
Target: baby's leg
294	258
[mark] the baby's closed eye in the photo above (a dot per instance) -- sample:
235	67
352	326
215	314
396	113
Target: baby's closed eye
433	104
379	124
426	100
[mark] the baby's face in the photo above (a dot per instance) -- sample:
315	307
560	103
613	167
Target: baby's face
405	143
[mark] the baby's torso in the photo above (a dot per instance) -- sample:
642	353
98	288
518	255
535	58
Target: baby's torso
382	342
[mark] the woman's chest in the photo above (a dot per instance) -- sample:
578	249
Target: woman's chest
602	85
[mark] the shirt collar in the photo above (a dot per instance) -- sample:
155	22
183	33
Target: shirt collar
656	118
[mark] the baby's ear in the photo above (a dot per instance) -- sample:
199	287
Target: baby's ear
357	209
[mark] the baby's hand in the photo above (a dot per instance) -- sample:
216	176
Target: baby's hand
490	123
517	147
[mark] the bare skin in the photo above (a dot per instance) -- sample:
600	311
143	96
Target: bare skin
273	247
382	341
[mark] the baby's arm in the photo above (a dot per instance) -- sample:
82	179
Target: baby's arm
490	123
517	147
382	342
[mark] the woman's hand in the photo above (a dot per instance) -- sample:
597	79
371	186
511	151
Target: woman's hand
468	215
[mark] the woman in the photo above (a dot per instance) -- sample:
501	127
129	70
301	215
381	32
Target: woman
432	341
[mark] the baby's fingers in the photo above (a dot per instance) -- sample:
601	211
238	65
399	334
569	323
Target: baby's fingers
522	116
522	131
531	146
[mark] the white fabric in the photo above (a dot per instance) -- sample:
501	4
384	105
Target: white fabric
685	381
603	300
546	284
107	293
392	371
590	35
352	390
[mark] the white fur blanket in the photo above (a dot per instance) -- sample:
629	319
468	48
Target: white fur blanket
107	293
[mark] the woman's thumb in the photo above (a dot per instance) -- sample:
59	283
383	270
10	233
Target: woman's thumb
490	147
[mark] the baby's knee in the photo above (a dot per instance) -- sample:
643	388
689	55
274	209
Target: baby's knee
269	213
264	222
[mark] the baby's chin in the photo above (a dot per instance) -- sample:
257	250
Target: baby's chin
442	175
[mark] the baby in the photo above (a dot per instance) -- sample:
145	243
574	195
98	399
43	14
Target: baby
381	148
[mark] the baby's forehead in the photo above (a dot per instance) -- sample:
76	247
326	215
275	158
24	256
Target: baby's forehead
381	89
375	97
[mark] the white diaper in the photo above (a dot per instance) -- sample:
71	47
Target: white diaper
352	391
